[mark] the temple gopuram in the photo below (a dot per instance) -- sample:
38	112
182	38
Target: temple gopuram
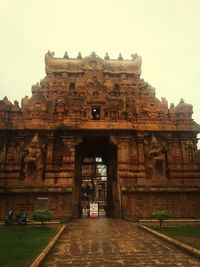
93	131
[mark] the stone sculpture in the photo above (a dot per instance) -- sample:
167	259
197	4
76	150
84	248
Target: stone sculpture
155	160
33	164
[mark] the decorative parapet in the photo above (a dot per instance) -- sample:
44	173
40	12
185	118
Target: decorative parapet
92	62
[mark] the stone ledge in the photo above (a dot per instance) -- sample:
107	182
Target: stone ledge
160	189
32	222
195	252
37	190
173	220
47	249
102	125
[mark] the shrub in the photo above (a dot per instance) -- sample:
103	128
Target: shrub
161	215
42	215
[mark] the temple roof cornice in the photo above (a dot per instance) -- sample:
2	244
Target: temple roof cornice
92	62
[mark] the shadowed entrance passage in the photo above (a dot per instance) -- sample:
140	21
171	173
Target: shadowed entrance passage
96	177
112	243
93	184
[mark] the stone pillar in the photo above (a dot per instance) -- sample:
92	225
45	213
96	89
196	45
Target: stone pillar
3	151
195	145
123	149
69	148
50	147
69	143
18	149
177	154
170	151
20	156
133	150
140	143
141	158
3	143
183	151
69	171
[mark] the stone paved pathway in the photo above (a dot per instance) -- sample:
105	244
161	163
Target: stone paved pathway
112	243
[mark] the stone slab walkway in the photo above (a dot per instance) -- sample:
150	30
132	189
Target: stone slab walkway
112	243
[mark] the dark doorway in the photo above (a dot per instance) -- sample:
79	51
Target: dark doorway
96	177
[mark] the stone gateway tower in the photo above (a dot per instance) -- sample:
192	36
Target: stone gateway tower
94	131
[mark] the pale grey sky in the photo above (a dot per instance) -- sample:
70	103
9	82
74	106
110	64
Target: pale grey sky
166	33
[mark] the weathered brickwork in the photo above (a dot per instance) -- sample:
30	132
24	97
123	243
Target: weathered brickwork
142	204
94	106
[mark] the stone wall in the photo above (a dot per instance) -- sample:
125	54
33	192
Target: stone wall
59	203
180	204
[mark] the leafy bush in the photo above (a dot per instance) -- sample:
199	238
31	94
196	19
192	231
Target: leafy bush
42	215
161	215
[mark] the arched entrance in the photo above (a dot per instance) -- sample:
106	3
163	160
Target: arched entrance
96	177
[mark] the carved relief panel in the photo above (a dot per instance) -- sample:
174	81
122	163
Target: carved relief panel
155	159
34	158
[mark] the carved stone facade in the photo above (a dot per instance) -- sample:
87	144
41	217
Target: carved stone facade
94	107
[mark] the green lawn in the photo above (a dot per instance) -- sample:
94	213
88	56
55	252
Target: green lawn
188	234
19	245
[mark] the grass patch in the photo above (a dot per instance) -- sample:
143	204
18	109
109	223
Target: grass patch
188	234
19	245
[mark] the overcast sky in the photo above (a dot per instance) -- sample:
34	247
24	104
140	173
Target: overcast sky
166	33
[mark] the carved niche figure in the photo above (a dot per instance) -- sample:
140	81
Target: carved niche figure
25	103
33	159
5	104
155	160
15	107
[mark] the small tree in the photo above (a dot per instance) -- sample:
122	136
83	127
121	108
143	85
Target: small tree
161	215
42	215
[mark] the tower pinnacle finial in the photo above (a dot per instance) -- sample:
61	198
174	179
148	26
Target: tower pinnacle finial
120	57
66	55
79	56
106	56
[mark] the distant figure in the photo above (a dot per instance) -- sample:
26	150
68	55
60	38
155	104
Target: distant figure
21	218
9	220
10	215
